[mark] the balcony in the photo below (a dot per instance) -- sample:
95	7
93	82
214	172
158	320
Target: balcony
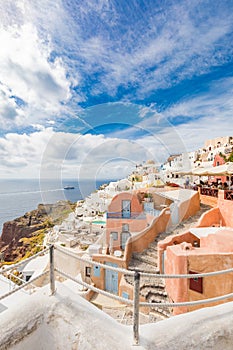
120	215
207	191
228	195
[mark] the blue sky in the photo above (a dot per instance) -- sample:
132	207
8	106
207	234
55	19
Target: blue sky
90	88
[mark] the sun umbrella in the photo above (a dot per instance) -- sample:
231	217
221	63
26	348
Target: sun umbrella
224	169
184	172
202	171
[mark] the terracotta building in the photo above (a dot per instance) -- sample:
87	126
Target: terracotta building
218	160
205	248
134	220
125	216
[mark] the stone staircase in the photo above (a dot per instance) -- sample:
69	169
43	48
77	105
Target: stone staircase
149	257
147	260
152	288
154	292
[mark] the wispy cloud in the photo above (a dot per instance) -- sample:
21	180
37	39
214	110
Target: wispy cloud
92	45
157	48
173	47
59	57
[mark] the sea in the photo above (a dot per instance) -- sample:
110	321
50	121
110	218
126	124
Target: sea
18	196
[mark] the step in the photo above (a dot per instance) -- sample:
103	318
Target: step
157	294
158	283
163	235
156	316
159	311
153	245
141	266
146	259
164	301
152	253
152	298
165	312
145	292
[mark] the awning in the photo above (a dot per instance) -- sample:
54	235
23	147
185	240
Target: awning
225	169
220	170
183	172
202	171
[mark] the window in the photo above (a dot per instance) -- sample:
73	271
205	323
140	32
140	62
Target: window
88	271
196	283
124	238
125	227
126	209
114	235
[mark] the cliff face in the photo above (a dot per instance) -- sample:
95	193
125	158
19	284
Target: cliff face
24	235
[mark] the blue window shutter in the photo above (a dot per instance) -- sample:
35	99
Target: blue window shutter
97	271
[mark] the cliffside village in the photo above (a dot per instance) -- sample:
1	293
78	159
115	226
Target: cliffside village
175	219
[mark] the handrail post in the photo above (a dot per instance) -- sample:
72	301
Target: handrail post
51	265
136	308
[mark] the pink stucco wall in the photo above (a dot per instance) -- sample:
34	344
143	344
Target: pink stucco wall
226	209
220	242
177	289
199	260
218	160
142	240
115	205
211	217
220	215
215	253
136	223
174	240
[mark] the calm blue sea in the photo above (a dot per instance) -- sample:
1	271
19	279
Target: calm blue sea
19	196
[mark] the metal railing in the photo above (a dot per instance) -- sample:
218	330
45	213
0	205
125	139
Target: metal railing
121	215
136	288
207	191
135	302
8	270
228	194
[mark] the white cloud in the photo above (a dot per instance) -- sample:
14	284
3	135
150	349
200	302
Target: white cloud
27	74
168	139
46	153
195	133
172	47
89	154
168	46
9	111
47	49
216	102
210	110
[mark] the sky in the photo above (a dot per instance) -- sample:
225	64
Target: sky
90	88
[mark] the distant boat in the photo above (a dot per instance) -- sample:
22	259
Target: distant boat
69	187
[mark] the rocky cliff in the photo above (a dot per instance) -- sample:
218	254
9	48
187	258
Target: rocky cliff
24	235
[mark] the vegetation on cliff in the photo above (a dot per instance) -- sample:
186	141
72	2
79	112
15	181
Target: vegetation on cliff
24	236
